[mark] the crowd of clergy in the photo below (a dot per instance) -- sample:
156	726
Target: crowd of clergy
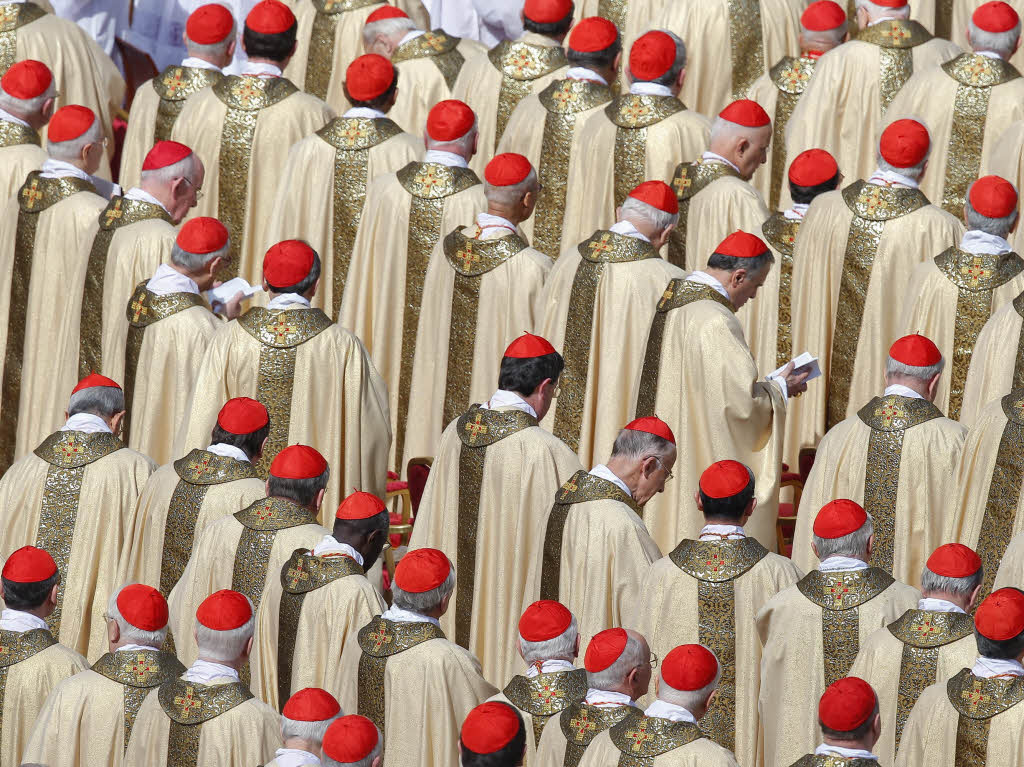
619	383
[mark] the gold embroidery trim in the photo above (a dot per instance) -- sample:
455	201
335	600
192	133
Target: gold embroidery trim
971	742
173	86
917	670
1018	366
615	11
717	561
895	66
646	737
977	698
12	134
320	64
546	695
520	64
16	647
440	48
12	17
716	618
781	233
746	45
689	179
790	77
192	703
581	723
944	19
632	114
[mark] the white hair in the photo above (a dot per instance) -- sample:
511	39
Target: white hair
825	38
129	633
72	149
1003	43
691	700
561	647
211	50
196	261
722	128
932	583
1000	227
876	11
853	545
925	373
183	168
366	761
636	445
462	145
393	29
915	172
613	676
633	209
103	401
426	601
310	731
225	646
513	193
20	107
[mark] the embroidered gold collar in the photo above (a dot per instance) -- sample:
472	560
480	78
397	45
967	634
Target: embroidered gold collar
567	97
547	694
608	247
585	487
73	449
201	467
846	589
350	134
791	75
471	258
284	328
977	698
881	203
121	211
333	7
177	83
927	628
250	93
432	181
969	271
139	668
650	736
692	177
16	646
581	722
681	292
780	232
12	134
195	703
636	111
525	61
895	33
435	43
1013	406
145	307
304	572
38	193
480	428
977	71
896	413
718	561
381	638
829	760
15	15
274	514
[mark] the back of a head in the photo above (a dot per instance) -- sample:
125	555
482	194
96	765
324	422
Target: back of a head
140	613
28	577
741	250
636	444
26	87
823	25
611	655
551	18
889	9
527	363
547	631
243	423
97	395
657	57
71	129
298	473
389	22
358	516
999	625
593	43
200	240
847	710
689	674
726	489
651	203
493	735
352	741
952	569
209	32
812	172
914	357
270	32
370	82
994	27
842	528
507	179
308	714
991	206
904	147
291	266
424	578
166	162
224	625
451	127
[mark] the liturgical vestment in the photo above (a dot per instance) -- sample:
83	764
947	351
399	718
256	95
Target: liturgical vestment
857	250
949	299
494	84
899	661
695	345
94	711
810	634
598	304
484	506
563	743
767	321
997	364
483	289
20	153
592	520
407	214
74	496
321	192
240	128
418	700
281	357
897	457
951	19
541	699
322	602
708	592
650	740
49	218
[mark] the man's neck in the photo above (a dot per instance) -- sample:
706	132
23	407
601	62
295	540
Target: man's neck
864	744
270	62
494	209
157	191
960	600
627	472
300	744
236	664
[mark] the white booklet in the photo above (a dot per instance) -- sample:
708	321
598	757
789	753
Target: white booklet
225	292
805	363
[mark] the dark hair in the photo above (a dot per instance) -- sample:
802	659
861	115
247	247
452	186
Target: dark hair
804	194
378	103
595	59
857	734
510	755
1005	649
249	444
302	286
551	29
274	47
732	263
347	529
302	491
28	596
524	375
728	508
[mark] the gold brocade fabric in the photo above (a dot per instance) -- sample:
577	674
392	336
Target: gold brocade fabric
470	259
439	48
36	195
67	453
872	206
746	45
244	96
790	76
976	75
119	212
977	700
563	100
632	114
320	64
689	179
280	333
138	672
641	738
601	248
16	647
1018	367
581	723
895	39
13	16
678	293
545	695
839	594
615	11
173	86
12	134
976	277
888	418
352	139
822	760
781	233
379	640
520	63
188	705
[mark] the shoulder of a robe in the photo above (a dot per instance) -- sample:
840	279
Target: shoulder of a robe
934	214
780	564
61	657
126	455
897	591
149	231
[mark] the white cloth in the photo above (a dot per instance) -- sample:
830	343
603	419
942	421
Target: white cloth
797	212
703	278
228	451
489	222
412	34
503	398
838	564
891	178
102	20
288	301
627	229
141	195
441	157
294	757
260	69
987	668
398	615
331	545
989	54
650	89
136	648
718	532
848	753
87	423
194	63
712	157
8	117
902	391
607	698
669	711
206	672
60	169
16	620
983	244
938	605
548	667
489	21
604	472
582	73
365	112
167	280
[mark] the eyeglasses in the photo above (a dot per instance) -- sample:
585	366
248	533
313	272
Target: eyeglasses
198	189
668	474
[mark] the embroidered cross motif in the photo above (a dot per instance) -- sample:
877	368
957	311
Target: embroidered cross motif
519	61
475	428
975	697
979	70
296	574
280	328
188	702
265	512
896	32
635	110
434	41
32	195
427	179
582	724
174	82
114	213
379	638
681	184
871	197
468	257
351	135
639	736
142	668
70	449
202	466
795	75
890	412
838	591
716	562
329	5
8	15
568	488
565	94
547	692
4	649
246	92
976	272
601	246
926	627
138	309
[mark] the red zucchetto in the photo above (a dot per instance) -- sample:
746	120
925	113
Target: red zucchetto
1001	615
652	55
28	79
507	169
287	263
904	143
812	167
544	620
747	113
993	197
311	705
164	154
422	570
838	518
202	235
28	565
604	649
891	3
916	351
298	462
386	12
350	739
847	704
450	120
270	17
954	560
224	610
724	479
369	77
658	195
69	123
652	425
742	245
995	17
547	11
94	379
360	505
592	34
143	607
689	667
822	16
242	415
209	24
490	727
528	346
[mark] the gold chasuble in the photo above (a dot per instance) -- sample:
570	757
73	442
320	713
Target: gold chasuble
407	214
542	698
245	553
899	661
317	383
190	724
240	118
646	137
156	106
511	71
320	196
695	344
709	592
48	218
546	129
31	665
857	251
597	306
167	336
484	506
712	195
479	294
967	721
647	741
592	520
20	154
416	686
74	496
567	739
133	237
95	711
768	321
949	300
324	602
810	634
967	104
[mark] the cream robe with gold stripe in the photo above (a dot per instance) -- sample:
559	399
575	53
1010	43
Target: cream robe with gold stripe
716	211
991	373
962	12
699	753
421	85
15	163
106	508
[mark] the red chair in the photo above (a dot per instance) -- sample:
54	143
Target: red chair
785	526
410	492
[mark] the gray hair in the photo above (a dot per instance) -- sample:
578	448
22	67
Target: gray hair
876	11
732	263
133	634
461	145
311	731
677	66
513	193
225	646
103	401
915	172
1002	43
633	209
691	700
852	545
998	227
367	761
826	38
896	368
184	168
395	29
932	583
631	657
637	445
562	647
19	107
212	50
195	261
426	601
71	150
722	128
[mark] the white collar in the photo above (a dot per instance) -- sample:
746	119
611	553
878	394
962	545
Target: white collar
8	117
849	753
194	63
885	18
207	671
582	73
987	668
650	89
502	398
412	34
441	157
797	212
136	648
713	157
938	605
228	451
16	620
722	532
604	472
607	698
167	280
988	54
141	195
548	667
703	278
261	70
983	244
892	178
365	112
837	564
627	229
330	545
670	711
489	222
60	169
294	757
902	391
87	423
398	615
288	301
